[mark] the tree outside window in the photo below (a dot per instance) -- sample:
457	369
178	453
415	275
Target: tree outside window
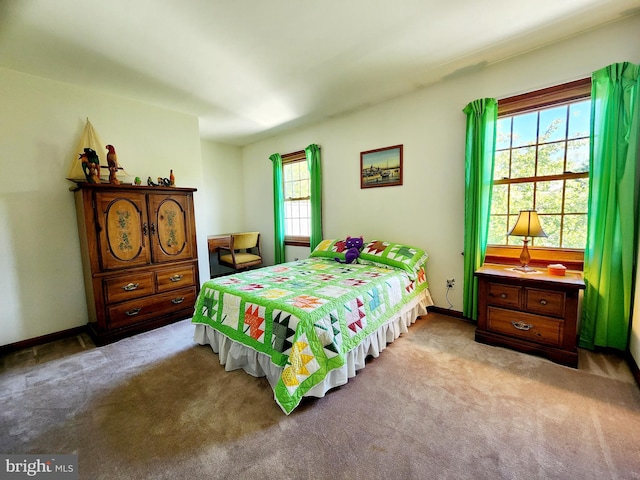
542	162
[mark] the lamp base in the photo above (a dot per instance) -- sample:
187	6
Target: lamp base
525	258
525	269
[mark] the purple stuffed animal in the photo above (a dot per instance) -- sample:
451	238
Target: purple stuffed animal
354	247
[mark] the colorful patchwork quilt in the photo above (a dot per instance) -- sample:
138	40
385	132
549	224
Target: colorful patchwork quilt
306	315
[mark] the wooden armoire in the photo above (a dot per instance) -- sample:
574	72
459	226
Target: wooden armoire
139	257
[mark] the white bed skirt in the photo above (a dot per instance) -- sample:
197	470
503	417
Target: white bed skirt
234	355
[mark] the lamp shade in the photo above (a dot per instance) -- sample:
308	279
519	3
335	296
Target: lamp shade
528	225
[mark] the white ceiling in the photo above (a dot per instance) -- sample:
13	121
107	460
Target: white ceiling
251	68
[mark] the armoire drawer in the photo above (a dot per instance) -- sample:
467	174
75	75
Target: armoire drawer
135	311
127	287
523	325
172	278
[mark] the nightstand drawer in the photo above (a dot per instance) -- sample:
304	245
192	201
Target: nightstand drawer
526	326
504	295
545	302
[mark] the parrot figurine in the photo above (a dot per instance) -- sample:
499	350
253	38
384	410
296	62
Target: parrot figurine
90	165
112	162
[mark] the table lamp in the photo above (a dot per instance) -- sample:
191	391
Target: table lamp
528	225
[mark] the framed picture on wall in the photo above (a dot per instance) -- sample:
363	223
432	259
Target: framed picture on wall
381	167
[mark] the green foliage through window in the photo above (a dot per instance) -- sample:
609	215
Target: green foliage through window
542	163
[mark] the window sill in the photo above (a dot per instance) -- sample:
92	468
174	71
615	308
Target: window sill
573	259
297	242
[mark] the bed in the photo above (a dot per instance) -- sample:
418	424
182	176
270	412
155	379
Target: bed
309	325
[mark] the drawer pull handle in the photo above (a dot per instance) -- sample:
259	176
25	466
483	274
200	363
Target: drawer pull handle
543	302
177	300
503	295
175	278
133	312
522	326
130	287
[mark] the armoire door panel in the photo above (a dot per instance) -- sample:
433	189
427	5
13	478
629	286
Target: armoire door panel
170	221
122	230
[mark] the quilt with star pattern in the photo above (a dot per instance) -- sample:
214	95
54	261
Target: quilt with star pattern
306	315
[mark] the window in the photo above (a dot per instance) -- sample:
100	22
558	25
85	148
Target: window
542	162
297	199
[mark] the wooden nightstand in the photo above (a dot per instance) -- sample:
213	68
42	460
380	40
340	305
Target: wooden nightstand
529	312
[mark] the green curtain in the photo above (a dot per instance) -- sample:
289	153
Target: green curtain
312	153
278	208
612	233
482	116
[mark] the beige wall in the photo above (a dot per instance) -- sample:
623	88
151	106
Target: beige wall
428	210
41	286
223	185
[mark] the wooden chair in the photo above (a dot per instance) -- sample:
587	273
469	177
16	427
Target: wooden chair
243	251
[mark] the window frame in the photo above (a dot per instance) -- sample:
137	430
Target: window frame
572	258
289	158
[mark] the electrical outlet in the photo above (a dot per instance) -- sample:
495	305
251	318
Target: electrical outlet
451	283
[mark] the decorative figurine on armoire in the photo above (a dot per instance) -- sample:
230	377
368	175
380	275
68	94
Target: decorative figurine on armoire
90	165
112	162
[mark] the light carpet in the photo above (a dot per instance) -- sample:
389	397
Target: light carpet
434	405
